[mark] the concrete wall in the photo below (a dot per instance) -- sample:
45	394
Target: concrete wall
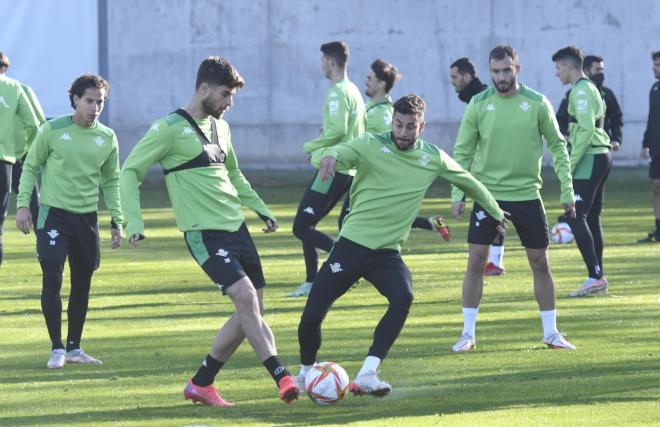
155	47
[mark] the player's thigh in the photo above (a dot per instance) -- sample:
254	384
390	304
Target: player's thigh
341	270
53	235
85	247
483	227
249	257
321	196
391	277
654	168
528	218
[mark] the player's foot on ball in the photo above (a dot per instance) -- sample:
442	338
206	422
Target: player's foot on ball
465	343
207	395
301	291
441	227
558	342
300	383
591	286
79	356
57	359
493	270
653	236
369	383
288	389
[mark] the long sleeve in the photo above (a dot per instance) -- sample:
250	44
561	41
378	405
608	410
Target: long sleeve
110	183
584	131
468	184
557	146
335	122
615	117
38	113
466	145
149	150
27	116
35	159
562	115
246	193
347	154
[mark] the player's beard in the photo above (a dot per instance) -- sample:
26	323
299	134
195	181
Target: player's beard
368	93
403	143
209	110
505	86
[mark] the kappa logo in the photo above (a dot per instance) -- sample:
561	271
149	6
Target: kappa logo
333	95
336	267
386	150
3	102
154	127
333	107
99	141
222	252
187	130
524	106
53	234
580	92
581	105
490	107
578	198
65	136
424	160
309	210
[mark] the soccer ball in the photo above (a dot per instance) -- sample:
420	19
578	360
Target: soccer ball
326	383
561	233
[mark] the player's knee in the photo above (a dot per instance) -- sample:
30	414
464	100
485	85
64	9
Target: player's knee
477	261
655	187
539	263
244	296
403	300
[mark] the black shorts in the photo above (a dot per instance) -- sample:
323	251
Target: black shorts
654	167
61	233
226	256
527	216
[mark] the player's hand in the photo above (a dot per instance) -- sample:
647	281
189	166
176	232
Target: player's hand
569	210
615	145
502	226
645	153
24	220
327	168
271	226
457	209
134	239
117	235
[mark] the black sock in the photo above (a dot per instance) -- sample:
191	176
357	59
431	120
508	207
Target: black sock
595	271
657	227
72	344
207	372
276	368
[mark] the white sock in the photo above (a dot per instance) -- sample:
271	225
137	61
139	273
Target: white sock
470	320
371	363
496	255
304	369
549	321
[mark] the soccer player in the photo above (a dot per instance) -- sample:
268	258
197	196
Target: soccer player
343	119
463	76
207	189
501	136
21	139
594	69
651	148
591	162
76	156
394	170
379	82
14	108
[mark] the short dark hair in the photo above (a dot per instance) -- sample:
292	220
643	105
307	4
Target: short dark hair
4	60
464	66
337	51
655	55
590	60
217	70
87	81
386	72
410	104
571	54
502	51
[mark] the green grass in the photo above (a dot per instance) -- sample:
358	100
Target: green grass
153	314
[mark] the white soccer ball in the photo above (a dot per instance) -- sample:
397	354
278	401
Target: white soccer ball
561	233
326	383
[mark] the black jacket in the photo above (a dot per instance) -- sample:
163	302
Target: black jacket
473	88
613	115
652	133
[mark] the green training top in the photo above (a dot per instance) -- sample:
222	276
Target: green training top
500	141
388	188
379	115
344	117
203	198
586	106
21	142
14	103
74	162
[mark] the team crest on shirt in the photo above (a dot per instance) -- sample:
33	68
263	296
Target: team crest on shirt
3	102
524	106
65	137
187	131
424	160
490	107
99	141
